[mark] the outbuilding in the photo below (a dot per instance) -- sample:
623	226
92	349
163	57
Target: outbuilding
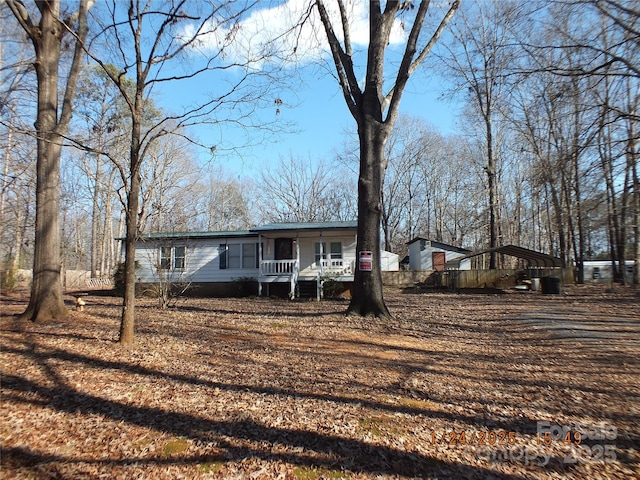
429	255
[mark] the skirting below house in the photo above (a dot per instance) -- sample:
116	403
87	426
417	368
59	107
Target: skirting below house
247	288
206	289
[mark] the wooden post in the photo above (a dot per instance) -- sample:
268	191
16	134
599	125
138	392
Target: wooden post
319	286
259	264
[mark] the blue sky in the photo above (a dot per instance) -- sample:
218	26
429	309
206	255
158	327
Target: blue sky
317	110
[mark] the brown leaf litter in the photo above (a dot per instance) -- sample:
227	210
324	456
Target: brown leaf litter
469	386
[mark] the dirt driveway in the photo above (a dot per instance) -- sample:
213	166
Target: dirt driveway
466	386
574	323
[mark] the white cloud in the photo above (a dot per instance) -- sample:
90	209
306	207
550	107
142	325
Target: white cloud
276	30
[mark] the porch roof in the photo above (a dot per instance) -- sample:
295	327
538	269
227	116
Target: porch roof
305	226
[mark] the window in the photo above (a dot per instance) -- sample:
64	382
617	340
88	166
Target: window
165	258
249	255
334	252
179	258
234	255
238	255
172	258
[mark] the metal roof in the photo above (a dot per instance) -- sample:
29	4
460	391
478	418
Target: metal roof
535	259
443	246
270	227
217	234
295	226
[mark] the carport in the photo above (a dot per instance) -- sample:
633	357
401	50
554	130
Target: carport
535	259
540	265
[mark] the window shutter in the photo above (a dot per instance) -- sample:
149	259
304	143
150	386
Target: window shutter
222	254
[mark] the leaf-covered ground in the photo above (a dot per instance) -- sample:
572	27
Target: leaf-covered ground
515	385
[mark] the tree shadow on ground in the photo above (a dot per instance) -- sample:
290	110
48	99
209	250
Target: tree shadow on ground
239	439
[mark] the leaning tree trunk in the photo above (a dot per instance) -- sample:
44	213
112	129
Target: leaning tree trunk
46	302
367	298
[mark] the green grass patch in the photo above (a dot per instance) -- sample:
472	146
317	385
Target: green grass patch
211	467
175	447
416	403
372	425
279	324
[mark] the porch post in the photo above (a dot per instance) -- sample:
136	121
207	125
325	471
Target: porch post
319	285
296	268
259	264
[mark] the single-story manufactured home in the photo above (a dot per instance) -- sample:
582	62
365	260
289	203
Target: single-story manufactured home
296	257
601	271
425	254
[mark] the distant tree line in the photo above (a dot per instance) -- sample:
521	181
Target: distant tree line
545	156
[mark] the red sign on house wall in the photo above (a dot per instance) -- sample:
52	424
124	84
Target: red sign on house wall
365	261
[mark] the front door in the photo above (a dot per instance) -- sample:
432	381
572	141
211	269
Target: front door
438	260
283	249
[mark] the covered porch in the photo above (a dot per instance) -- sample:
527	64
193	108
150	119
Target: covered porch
308	252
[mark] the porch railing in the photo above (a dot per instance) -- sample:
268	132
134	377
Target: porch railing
334	266
337	266
278	267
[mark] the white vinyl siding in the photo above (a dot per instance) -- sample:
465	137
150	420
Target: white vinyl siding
207	259
203	260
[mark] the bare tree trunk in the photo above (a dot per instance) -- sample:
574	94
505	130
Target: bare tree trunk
622	234
45	302
580	253
128	314
368	108
631	195
493	191
614	210
18	235
575	154
636	216
367	296
557	207
7	159
132	215
121	230
95	215
106	251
